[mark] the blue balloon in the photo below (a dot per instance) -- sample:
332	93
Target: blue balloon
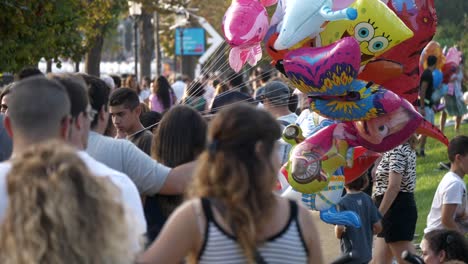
347	218
437	78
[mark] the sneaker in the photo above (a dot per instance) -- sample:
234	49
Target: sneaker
444	165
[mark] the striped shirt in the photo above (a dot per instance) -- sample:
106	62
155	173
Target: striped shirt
287	246
402	160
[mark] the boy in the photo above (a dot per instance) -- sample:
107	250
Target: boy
125	110
448	210
359	240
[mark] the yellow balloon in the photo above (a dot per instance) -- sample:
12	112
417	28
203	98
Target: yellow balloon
376	28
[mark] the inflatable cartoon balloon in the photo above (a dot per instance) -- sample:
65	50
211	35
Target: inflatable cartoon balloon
326	198
380	71
244	26
420	17
328	76
363	159
329	215
305	18
314	70
268	2
313	160
376	28
433	48
438	90
453	55
452	61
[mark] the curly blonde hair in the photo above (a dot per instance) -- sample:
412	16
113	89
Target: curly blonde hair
59	212
237	171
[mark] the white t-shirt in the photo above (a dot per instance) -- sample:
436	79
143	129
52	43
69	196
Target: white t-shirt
451	190
130	198
290	118
307	120
144	94
209	93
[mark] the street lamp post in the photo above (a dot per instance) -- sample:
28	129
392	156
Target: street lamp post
181	32
182	19
135	11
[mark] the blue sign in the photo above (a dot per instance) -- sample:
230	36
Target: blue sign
192	39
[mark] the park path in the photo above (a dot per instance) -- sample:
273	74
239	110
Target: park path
329	243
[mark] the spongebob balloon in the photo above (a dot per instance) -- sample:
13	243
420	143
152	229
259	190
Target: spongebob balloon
376	28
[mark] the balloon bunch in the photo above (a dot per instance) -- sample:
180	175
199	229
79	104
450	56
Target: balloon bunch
447	65
342	54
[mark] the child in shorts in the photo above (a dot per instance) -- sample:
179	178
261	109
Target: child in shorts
358	240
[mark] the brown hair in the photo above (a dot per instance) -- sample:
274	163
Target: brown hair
132	83
58	212
221	88
236	170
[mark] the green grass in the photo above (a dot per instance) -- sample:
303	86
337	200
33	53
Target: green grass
428	175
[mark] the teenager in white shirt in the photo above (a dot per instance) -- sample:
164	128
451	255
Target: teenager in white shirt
448	210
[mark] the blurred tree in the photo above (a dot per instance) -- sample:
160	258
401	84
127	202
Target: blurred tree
99	17
31	30
452	24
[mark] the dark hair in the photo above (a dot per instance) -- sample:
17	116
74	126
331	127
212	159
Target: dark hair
117	81
293	103
150	118
431	60
163	90
28	72
265	76
98	93
126	97
195	89
37	106
359	183
453	243
76	89
6	90
223	100
458	145
172	145
216	82
236	81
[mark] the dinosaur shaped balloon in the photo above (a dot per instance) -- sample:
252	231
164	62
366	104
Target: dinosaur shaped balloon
420	17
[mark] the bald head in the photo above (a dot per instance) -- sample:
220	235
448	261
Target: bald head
37	107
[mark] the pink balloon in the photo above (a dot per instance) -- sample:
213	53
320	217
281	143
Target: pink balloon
309	68
268	2
244	26
342	4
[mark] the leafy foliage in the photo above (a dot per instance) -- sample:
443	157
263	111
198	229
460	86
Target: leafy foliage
453	22
32	30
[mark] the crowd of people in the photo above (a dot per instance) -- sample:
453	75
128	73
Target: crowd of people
111	170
